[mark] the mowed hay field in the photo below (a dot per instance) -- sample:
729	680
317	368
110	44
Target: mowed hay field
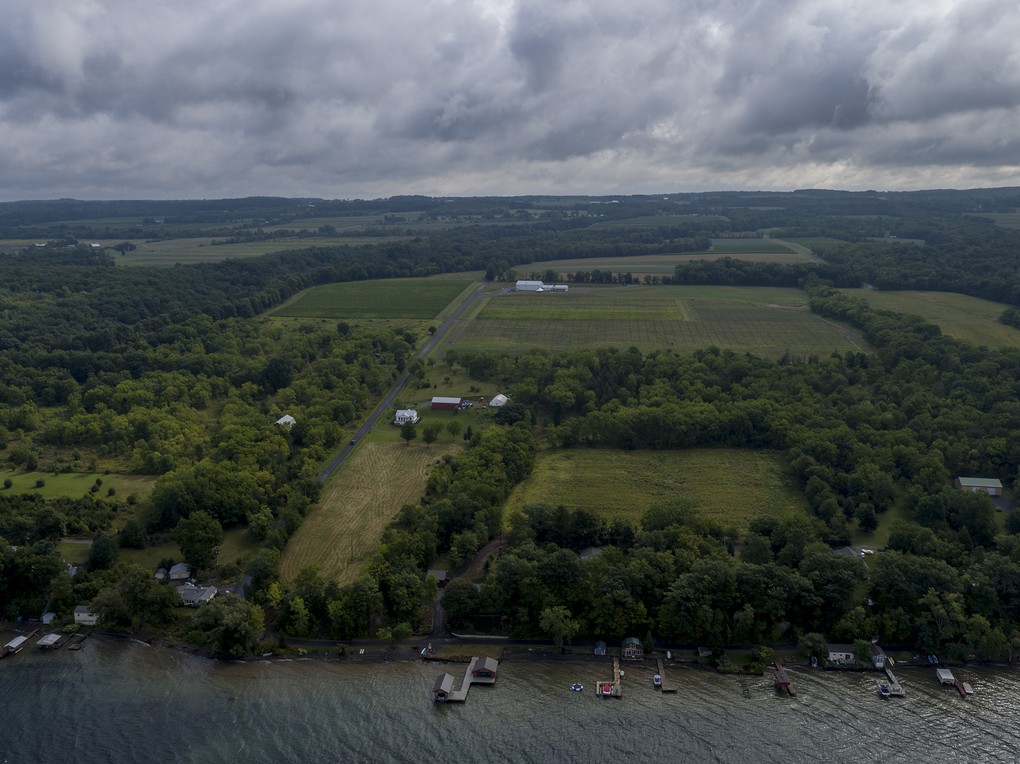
728	485
343	531
385	298
966	318
760	320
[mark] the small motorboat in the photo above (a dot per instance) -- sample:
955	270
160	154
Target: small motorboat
967	689
883	689
577	687
606	689
657	681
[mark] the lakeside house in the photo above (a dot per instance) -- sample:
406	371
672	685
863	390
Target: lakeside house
406	415
84	615
841	654
990	486
631	648
193	596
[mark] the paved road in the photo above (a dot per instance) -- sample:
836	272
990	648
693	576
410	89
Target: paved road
384	406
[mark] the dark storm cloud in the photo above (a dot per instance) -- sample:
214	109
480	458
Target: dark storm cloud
375	97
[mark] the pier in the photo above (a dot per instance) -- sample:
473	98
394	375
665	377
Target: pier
479	671
614	688
894	684
666	685
782	680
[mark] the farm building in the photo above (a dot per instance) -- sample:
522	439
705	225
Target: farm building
485	668
631	648
560	287
841	654
991	486
498	400
286	421
406	415
194	596
440	402
180	572
83	615
530	286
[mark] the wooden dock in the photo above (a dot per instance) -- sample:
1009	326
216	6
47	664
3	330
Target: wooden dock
666	685
614	688
782	680
76	640
894	684
478	671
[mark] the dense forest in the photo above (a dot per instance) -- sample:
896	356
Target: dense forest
171	372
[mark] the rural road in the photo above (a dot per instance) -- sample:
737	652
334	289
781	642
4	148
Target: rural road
391	396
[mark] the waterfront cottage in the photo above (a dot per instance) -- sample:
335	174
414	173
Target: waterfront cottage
84	616
841	654
631	648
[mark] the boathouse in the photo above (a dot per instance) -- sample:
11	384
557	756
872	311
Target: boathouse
600	648
441	402
878	657
991	486
443	687
631	648
485	668
840	654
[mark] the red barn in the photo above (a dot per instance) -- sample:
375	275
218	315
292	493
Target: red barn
439	402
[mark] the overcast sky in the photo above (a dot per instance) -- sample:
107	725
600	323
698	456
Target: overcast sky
370	98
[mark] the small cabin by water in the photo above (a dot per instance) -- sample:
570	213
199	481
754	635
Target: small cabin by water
486	668
443	687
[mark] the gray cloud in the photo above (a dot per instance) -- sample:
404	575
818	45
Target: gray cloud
115	98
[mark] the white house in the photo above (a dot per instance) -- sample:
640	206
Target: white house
406	415
286	421
498	400
841	654
83	615
991	486
530	286
194	596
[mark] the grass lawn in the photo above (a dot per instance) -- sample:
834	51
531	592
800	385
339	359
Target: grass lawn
731	486
960	316
343	530
76	484
761	320
385	298
74	551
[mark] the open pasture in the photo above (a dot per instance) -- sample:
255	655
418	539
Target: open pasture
958	315
737	247
1004	219
385	298
658	221
729	486
343	530
77	484
763	321
186	251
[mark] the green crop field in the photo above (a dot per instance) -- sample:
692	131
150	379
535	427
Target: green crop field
965	318
168	252
736	247
388	298
658	221
1004	219
728	485
658	265
764	321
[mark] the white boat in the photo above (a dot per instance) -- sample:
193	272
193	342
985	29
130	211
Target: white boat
883	689
657	681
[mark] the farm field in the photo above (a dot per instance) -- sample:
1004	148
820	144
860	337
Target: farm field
1004	219
657	221
966	318
728	485
341	533
760	320
385	298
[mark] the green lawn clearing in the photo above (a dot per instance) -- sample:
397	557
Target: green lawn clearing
387	298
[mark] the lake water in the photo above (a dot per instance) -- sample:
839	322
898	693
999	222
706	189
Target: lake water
118	702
